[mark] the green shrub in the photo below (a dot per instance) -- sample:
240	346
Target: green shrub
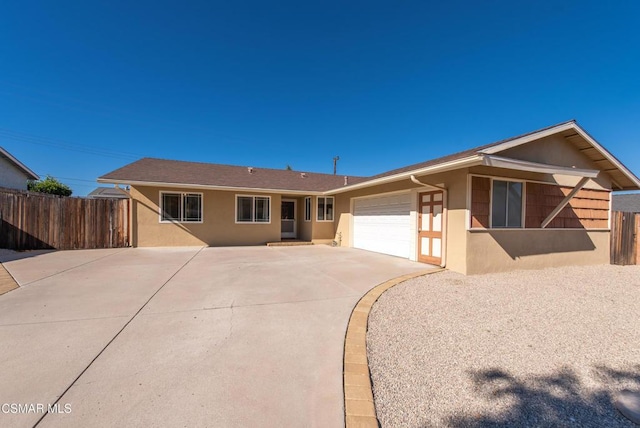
49	185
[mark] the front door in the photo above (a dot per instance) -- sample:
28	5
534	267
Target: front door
288	219
430	212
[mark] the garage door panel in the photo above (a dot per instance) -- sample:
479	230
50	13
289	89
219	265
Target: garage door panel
382	224
378	210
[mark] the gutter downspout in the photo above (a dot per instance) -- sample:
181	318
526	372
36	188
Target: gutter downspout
445	215
130	203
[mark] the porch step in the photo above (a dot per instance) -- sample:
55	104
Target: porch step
288	243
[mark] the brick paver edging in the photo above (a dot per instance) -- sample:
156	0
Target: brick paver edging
359	409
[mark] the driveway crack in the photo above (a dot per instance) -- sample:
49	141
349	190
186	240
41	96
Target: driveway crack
61	321
67	270
231	321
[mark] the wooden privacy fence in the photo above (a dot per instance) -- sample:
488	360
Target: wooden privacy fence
625	241
31	221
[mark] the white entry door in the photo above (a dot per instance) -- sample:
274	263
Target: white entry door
288	218
382	224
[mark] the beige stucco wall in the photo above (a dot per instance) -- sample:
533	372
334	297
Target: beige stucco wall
505	250
305	226
323	230
217	229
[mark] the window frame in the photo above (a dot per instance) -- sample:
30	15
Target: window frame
523	183
307	209
253	219
333	205
182	195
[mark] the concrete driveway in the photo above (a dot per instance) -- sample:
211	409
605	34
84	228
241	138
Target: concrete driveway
249	336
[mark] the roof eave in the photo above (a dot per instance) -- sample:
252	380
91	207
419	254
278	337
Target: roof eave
30	174
208	187
604	152
529	138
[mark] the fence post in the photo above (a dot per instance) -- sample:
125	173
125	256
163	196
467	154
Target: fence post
110	225
636	238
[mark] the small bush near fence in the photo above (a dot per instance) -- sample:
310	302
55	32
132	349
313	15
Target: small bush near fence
31	221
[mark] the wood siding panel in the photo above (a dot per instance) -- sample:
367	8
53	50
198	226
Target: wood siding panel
588	209
480	202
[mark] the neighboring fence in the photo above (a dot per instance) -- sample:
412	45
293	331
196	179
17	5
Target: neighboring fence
625	241
31	221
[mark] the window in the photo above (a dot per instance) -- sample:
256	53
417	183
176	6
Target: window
253	209
506	204
325	208
307	208
181	207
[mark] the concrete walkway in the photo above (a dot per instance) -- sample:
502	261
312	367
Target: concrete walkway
249	336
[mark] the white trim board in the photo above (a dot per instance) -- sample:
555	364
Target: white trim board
210	187
521	165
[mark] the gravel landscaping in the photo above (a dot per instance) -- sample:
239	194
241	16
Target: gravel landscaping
542	348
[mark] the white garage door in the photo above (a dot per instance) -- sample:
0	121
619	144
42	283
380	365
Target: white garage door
382	224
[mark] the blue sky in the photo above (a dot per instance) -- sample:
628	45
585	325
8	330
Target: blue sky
87	87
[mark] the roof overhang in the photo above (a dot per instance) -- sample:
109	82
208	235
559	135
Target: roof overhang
530	137
621	176
207	187
30	174
520	165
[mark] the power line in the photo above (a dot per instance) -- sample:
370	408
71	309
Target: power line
67	178
77	179
65	145
74	182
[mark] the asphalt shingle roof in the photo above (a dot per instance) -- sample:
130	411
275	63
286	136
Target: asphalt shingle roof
151	170
627	203
207	174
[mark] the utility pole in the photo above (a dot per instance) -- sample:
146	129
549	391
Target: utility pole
335	164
